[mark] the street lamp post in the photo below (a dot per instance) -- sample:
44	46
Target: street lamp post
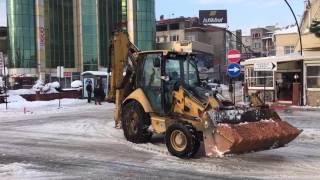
5	81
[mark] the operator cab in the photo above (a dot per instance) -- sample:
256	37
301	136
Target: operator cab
162	72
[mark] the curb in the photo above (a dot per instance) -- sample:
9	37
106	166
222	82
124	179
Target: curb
296	108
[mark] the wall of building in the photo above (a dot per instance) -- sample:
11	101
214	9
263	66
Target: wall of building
256	35
283	41
142	23
76	34
247	42
59	34
112	16
22	36
164	36
309	40
3	39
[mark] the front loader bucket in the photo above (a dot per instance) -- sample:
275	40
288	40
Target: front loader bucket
248	137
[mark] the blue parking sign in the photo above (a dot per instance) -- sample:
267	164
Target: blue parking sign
234	70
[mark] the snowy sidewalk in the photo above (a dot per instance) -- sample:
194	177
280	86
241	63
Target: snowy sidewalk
19	107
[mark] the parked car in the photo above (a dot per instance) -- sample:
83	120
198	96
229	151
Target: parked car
215	87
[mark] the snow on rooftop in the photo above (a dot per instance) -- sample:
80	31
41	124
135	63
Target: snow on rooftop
287	30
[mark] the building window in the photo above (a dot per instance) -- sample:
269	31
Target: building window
256	35
174	26
165	39
174	38
190	38
257	45
162	28
256	79
158	39
289	50
313	77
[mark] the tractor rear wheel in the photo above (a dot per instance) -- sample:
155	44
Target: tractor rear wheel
135	123
182	140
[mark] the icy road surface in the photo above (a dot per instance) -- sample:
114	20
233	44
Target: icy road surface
79	142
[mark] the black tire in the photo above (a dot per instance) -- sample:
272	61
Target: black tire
190	145
135	123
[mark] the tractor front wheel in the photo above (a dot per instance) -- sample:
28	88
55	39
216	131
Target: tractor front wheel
182	140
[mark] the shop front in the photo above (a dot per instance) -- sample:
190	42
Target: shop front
282	85
312	81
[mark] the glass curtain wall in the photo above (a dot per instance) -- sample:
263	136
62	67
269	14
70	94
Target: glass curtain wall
21	28
59	33
112	17
89	35
145	24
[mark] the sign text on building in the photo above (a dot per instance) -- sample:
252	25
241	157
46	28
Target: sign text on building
213	16
265	66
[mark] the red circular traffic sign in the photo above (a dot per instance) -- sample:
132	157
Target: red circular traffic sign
234	56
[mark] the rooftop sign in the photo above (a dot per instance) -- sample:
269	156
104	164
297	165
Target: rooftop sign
213	16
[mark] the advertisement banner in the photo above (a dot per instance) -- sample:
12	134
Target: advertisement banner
213	16
87	81
42	37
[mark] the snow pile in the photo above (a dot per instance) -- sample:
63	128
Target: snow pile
16	102
16	99
51	88
76	84
1	86
38	86
46	88
268	121
1	83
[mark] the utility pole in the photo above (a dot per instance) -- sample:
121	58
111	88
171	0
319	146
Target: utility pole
5	81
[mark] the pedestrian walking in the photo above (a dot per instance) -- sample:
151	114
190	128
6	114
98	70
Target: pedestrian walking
98	94
89	91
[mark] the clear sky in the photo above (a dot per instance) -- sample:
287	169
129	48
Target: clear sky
243	14
3	19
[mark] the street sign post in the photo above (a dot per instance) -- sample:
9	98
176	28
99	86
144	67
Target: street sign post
265	66
234	56
60	71
234	70
60	74
2	66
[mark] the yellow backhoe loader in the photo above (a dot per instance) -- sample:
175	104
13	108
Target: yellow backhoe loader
160	92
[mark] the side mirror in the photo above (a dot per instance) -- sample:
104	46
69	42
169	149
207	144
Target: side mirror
157	62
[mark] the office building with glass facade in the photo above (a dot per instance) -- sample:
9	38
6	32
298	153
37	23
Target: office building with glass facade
141	23
22	33
76	34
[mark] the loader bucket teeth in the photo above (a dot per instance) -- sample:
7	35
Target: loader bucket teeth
250	137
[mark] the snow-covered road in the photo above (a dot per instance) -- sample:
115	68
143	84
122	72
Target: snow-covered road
79	142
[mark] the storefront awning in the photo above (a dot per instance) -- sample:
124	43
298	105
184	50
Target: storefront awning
95	73
273	59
